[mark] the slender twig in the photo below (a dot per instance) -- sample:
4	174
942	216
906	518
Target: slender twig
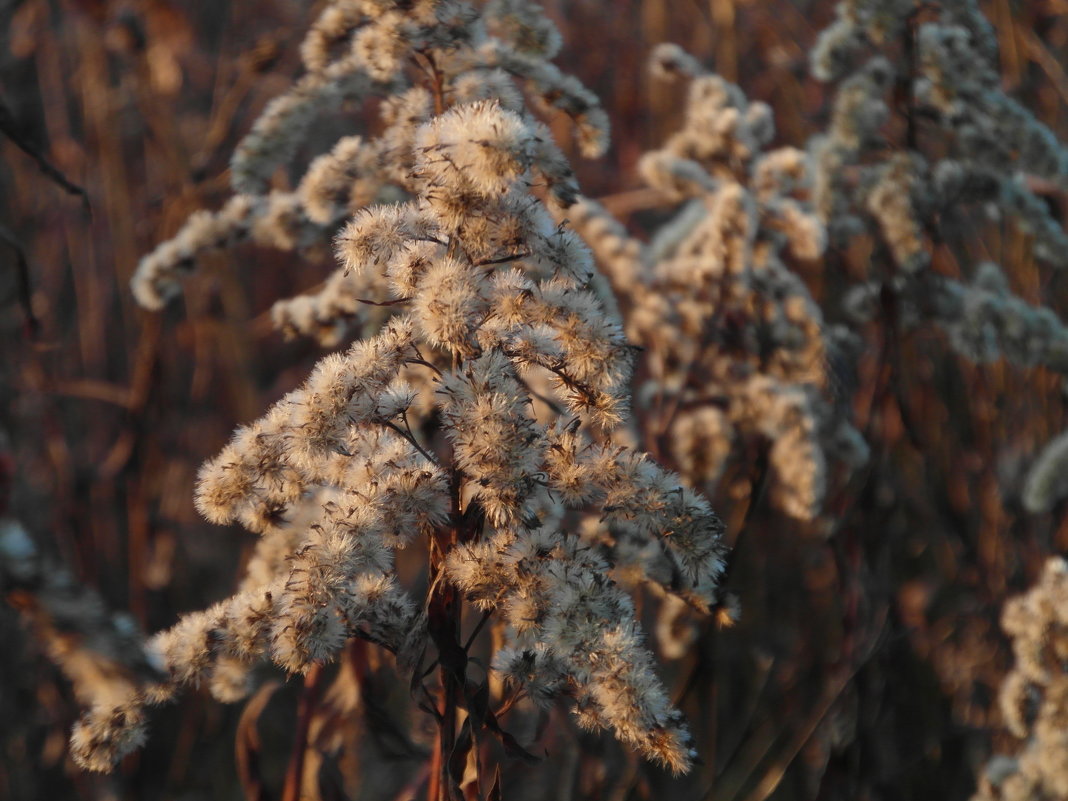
437	82
503	259
506	707
22	279
556	407
12	130
478	628
370	302
406	432
467	646
424	363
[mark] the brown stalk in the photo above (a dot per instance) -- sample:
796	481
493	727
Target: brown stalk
443	621
309	700
247	745
444	605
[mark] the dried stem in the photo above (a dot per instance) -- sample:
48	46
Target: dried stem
444	609
308	702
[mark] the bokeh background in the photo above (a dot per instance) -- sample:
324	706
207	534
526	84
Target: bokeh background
865	664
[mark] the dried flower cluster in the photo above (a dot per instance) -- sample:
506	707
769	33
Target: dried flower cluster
484	411
992	154
994	143
1034	696
736	348
357	50
102	653
438	427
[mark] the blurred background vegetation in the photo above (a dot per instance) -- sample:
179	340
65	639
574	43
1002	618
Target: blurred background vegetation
865	665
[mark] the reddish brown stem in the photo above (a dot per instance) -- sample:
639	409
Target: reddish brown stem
309	700
444	623
437	81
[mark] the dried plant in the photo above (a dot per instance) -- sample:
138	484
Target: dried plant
436	429
1034	695
531	400
102	654
736	348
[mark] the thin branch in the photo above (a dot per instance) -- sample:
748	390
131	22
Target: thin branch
422	360
437	82
478	628
556	407
425	363
503	259
406	432
11	129
506	707
22	279
396	302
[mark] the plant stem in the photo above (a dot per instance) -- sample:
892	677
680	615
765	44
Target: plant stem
443	620
308	701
